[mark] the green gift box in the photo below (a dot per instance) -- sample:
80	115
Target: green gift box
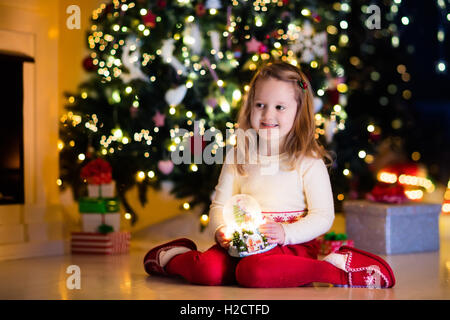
99	205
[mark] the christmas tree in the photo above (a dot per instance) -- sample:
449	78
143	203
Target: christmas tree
382	128
159	67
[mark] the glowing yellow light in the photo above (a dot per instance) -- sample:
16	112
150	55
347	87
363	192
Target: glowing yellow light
220	83
417	181
371	128
84	95
117	133
212	11
71	99
362	154
151	174
369	159
204	219
258	21
125	140
194	167
127	216
343	40
189	84
332	29
306	12
414	194
387	177
59	182
346	172
172	110
340	197
314	64
116	96
342	87
406	94
186	206
60	145
140	175
189	114
81	156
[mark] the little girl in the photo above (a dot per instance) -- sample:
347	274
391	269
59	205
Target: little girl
296	201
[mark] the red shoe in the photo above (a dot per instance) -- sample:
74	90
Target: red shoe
152	264
366	270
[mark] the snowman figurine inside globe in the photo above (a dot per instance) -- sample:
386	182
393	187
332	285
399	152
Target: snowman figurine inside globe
243	216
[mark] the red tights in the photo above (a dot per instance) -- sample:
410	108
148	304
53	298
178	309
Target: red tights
283	266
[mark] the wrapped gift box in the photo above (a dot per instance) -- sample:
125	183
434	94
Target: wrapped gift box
98	205
92	221
98	243
105	190
392	228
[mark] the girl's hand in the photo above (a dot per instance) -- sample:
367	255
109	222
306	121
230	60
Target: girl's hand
221	238
273	231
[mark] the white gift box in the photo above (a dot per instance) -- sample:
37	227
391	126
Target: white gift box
105	190
91	221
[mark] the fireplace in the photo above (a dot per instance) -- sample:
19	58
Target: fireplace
31	216
12	189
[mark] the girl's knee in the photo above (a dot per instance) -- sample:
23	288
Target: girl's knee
250	273
212	270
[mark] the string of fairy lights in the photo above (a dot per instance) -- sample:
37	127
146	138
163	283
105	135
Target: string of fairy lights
110	67
107	44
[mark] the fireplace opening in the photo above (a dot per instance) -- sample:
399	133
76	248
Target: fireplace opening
12	189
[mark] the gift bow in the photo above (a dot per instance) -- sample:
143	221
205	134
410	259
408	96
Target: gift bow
97	171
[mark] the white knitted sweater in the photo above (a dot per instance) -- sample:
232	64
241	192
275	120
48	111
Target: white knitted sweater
306	188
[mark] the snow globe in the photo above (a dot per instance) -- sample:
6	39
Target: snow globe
243	216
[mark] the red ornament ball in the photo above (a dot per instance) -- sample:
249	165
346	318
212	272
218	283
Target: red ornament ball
88	64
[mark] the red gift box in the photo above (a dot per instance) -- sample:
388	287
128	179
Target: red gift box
99	243
330	246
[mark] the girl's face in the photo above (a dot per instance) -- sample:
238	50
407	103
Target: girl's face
274	107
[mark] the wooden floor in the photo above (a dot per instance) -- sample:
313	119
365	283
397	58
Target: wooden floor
419	276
